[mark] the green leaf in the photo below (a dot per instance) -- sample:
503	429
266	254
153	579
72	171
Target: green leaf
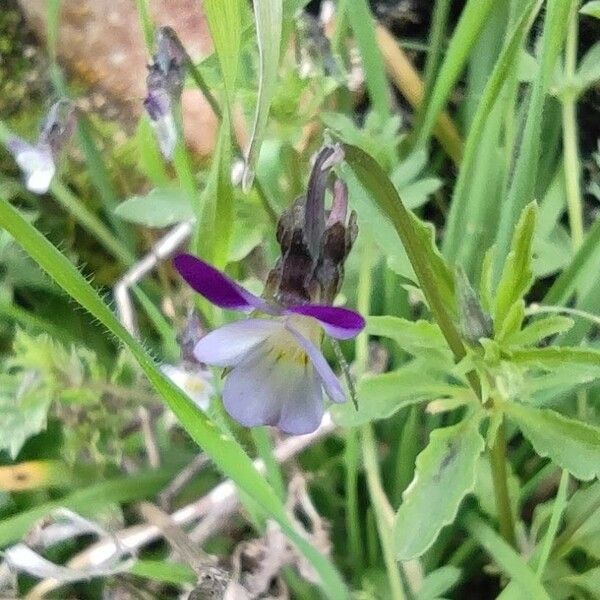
573	445
24	404
459	207
150	160
268	15
380	396
216	222
224	450
585	260
588	72
472	19
538	330
444	475
591	8
438	582
517	275
418	338
161	207
506	558
522	187
551	357
362	24
224	19
434	275
588	582
165	572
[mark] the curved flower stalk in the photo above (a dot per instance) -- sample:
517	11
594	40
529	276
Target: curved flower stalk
164	83
38	161
276	371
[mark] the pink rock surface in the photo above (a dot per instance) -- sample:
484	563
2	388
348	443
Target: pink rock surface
101	42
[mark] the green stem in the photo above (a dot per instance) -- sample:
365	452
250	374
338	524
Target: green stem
351	454
351	458
383	513
558	508
499	476
89	221
570	142
264	448
437	33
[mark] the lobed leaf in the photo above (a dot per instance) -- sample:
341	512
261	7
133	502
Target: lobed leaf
380	396
573	445
161	207
445	473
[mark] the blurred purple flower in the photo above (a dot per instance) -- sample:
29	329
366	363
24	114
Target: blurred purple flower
277	371
38	161
164	82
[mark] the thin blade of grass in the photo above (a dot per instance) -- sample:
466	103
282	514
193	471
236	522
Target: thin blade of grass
268	15
505	557
469	25
526	167
361	22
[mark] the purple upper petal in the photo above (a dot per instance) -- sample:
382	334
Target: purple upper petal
216	287
340	323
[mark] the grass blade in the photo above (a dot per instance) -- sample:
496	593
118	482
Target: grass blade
469	25
363	27
523	183
506	558
224	19
459	207
268	15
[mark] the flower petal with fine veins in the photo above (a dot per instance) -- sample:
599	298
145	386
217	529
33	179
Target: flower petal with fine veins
227	345
338	322
328	378
264	390
216	287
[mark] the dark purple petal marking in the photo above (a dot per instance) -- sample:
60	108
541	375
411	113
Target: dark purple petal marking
340	323
216	287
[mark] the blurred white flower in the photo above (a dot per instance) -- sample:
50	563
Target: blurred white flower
194	381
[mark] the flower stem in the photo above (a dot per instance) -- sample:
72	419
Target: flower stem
499	476
89	221
351	454
383	513
558	508
570	142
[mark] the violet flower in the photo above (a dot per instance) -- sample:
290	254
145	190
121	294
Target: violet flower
276	371
164	82
38	161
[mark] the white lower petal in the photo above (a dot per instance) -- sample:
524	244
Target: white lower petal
166	134
226	346
269	389
38	167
